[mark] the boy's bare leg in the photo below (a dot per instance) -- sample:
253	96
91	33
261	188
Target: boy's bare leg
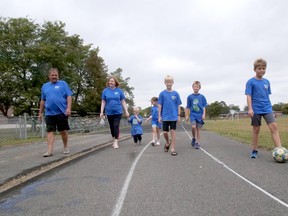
275	134
166	136
158	134
194	131
198	134
154	134
255	137
173	140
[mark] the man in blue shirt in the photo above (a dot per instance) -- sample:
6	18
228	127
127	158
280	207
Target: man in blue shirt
56	99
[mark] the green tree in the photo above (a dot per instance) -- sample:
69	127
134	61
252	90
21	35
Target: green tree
278	107
93	83
224	108
29	50
285	109
146	112
17	55
214	109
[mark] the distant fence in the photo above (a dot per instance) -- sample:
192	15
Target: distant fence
26	126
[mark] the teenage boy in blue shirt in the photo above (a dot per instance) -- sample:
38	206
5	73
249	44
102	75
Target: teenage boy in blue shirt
257	92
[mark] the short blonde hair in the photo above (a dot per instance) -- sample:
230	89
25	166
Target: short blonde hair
197	83
136	109
260	62
168	77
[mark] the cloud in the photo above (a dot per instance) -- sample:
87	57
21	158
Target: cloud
215	42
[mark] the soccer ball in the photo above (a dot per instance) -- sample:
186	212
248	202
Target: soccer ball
280	154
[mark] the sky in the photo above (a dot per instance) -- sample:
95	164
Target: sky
213	41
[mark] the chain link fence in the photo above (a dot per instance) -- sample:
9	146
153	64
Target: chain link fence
26	126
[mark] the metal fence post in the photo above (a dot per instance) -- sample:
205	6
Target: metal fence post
25	125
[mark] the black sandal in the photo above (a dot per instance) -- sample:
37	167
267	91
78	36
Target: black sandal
166	148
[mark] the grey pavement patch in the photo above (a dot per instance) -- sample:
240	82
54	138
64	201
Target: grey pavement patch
36	171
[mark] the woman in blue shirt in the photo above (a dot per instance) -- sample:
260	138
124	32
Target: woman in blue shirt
113	101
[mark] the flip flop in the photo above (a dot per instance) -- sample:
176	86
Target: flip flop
166	148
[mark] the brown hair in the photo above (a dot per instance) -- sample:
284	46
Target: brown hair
154	99
115	79
260	62
197	83
53	69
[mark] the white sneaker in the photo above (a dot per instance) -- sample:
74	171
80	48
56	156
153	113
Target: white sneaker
115	145
157	143
66	151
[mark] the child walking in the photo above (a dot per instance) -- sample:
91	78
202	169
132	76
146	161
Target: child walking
169	113
136	125
196	106
156	125
259	105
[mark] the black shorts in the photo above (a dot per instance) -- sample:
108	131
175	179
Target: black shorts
59	122
169	125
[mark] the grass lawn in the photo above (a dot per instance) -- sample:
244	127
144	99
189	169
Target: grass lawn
242	131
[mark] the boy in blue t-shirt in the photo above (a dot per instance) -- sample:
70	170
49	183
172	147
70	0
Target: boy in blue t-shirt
136	125
196	106
169	113
156	125
257	91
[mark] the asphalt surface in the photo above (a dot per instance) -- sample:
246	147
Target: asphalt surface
18	161
218	179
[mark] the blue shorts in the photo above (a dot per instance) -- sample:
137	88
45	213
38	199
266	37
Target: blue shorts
156	124
197	123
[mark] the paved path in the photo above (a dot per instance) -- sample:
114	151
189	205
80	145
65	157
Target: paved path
19	160
219	179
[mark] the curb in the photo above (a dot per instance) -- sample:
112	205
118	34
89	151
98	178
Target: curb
37	171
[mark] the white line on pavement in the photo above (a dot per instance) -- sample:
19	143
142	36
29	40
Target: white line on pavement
118	206
237	174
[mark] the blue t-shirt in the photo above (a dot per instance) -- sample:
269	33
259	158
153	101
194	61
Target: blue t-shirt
259	90
113	98
170	102
196	103
154	114
136	126
55	97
